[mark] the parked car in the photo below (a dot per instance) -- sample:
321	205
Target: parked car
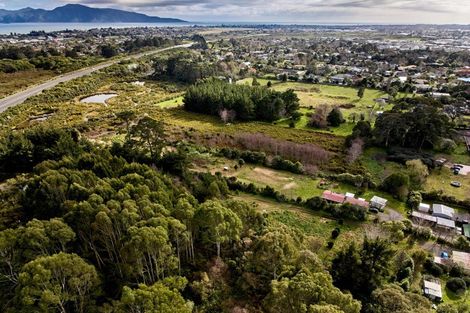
456	171
456	184
374	210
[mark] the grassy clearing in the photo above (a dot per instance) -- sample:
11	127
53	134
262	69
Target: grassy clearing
172	103
312	95
307	222
14	82
440	180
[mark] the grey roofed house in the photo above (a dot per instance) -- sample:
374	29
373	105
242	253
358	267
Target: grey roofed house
445	223
443	211
378	202
432	290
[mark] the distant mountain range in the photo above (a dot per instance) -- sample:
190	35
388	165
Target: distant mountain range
76	13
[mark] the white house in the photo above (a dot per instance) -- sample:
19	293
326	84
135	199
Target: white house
433	290
378	202
424	207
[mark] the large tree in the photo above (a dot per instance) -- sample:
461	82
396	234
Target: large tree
56	283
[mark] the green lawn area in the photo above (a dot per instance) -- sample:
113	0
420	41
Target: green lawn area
440	179
172	103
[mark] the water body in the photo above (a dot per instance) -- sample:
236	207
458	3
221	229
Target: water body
25	28
101	98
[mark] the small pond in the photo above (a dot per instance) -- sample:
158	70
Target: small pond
101	98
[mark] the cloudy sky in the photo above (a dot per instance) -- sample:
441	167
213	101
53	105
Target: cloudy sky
297	11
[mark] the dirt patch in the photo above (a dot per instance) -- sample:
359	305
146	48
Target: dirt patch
289	186
270	174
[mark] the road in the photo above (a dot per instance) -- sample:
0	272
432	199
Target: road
21	96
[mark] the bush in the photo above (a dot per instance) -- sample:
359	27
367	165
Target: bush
432	268
456	285
335	233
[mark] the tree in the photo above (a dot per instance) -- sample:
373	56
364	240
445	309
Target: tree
57	282
127	117
161	297
397	184
148	137
335	117
217	223
360	92
456	285
108	51
255	82
392	299
417	171
362	270
308	292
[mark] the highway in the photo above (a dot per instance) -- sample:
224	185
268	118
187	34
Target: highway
21	96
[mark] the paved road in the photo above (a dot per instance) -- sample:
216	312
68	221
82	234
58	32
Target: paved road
21	96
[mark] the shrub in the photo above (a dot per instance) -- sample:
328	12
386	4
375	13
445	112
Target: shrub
456	285
335	233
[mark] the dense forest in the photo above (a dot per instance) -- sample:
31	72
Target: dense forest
128	228
241	102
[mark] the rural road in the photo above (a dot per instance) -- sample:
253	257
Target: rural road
21	96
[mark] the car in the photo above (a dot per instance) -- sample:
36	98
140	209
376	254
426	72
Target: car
456	171
458	166
455	184
374	210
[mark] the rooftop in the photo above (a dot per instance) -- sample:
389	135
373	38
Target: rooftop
333	196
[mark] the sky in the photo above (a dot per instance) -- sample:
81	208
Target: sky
282	11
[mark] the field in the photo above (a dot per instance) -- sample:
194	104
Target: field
312	95
289	184
308	223
14	82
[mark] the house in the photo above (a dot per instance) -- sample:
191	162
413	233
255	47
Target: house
359	202
461	258
334	197
424	207
443	211
432	290
378	202
445	223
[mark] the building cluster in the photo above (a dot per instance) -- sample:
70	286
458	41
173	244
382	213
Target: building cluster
375	204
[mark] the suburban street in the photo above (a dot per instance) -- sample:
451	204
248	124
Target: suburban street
21	96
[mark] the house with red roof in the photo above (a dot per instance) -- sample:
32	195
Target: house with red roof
334	197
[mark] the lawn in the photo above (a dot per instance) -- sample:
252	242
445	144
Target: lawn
172	103
440	180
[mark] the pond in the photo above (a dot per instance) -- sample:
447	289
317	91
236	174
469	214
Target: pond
101	98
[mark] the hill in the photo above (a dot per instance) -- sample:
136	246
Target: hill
76	13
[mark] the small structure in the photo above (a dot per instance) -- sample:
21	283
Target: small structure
461	258
350	195
432	290
445	223
334	197
443	211
378	202
424	207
